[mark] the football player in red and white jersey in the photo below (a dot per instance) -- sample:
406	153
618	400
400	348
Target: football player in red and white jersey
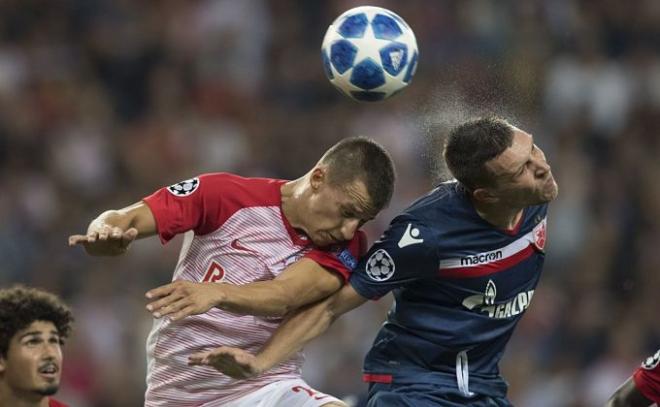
33	324
642	388
278	245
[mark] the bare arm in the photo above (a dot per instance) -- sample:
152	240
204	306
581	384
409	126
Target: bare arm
628	396
303	326
112	232
302	283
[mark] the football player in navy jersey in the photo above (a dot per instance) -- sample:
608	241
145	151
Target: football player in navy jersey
462	262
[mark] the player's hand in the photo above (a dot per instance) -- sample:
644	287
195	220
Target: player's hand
233	362
183	298
105	240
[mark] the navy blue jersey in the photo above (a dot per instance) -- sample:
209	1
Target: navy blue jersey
460	286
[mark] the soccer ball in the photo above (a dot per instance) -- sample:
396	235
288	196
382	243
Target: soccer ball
369	53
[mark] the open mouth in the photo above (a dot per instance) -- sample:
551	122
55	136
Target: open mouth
49	370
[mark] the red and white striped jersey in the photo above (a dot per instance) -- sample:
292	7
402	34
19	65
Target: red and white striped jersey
235	233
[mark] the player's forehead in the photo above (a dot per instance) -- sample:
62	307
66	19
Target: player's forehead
514	156
355	197
37	328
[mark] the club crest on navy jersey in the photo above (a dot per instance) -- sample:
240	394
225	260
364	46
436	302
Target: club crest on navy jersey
380	266
184	188
540	235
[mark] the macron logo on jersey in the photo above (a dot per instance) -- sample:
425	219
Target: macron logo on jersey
410	237
481	264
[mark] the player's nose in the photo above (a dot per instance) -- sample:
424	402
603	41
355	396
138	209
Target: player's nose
349	227
542	167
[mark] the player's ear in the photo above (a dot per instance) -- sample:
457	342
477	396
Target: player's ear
484	195
318	177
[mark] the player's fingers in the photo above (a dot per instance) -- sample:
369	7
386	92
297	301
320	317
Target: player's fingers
128	236
218	361
173	308
77	239
92	236
228	365
103	233
167	305
197	359
161	291
116	233
185	312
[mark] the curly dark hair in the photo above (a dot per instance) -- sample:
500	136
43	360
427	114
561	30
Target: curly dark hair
20	306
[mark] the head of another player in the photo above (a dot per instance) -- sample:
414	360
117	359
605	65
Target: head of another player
33	326
499	164
351	183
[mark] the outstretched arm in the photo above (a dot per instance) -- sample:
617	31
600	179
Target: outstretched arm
303	326
628	396
112	232
302	283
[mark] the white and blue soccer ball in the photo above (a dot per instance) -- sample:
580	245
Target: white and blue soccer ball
369	53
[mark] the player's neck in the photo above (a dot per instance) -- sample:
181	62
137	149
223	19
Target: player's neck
11	398
502	217
291	193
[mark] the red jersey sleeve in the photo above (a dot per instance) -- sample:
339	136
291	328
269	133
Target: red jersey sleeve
344	259
647	378
55	403
195	204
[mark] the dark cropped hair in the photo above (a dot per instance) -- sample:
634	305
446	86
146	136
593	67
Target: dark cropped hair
21	306
364	159
471	144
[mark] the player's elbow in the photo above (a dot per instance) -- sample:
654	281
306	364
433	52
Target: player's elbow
618	399
615	401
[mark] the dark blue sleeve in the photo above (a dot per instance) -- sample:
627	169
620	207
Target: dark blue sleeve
405	253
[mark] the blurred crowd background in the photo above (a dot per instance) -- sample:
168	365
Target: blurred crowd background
104	101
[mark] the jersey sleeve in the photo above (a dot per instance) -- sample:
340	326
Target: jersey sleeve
647	378
194	204
405	253
342	260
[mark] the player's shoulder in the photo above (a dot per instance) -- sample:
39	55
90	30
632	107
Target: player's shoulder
247	190
238	180
444	203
